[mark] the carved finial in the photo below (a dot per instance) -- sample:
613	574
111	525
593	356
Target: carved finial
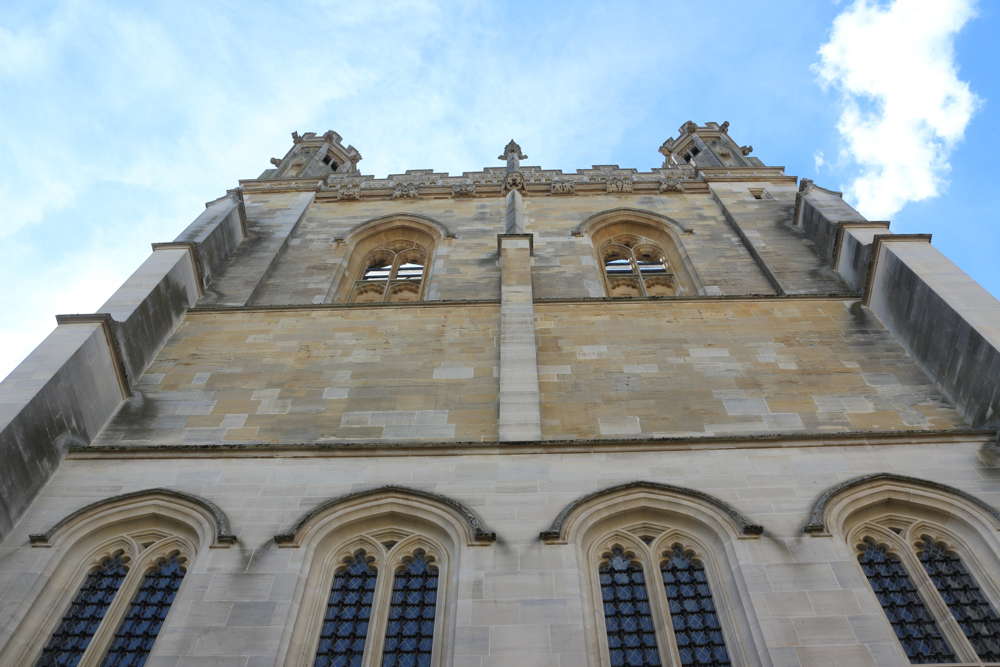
724	127
295	137
805	185
667	148
690	127
276	161
512	153
746	150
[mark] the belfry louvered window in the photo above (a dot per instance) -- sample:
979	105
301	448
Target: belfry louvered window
936	607
393	272
687	631
366	595
636	267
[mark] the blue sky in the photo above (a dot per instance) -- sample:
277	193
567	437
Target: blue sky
119	120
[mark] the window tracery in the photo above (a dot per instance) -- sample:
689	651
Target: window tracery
935	605
411	541
116	616
118	565
672	622
393	272
85	613
636	267
382	607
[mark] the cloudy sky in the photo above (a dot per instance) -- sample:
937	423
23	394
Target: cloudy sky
119	120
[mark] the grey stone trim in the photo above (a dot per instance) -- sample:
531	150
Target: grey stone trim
107	323
192	249
818	525
260	449
873	267
584	227
360	227
479	531
224	533
555	530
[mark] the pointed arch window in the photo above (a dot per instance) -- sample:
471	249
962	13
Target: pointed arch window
636	267
121	604
393	272
673	621
382	609
930	596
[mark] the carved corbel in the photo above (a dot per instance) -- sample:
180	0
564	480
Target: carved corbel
463	190
404	190
563	187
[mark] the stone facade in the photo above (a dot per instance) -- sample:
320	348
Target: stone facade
512	378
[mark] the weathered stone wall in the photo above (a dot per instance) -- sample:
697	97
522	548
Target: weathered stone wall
382	372
520	601
564	265
606	369
697	368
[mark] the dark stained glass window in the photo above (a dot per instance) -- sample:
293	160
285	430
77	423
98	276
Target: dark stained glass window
342	640
917	632
137	632
410	633
692	612
631	636
967	603
78	626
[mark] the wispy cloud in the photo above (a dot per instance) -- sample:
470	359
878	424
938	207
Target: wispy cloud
903	106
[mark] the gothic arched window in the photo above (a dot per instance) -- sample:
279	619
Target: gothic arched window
392	272
935	605
121	604
378	580
668	618
635	267
117	566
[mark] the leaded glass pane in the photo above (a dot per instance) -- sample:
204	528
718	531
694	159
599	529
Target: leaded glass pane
917	632
410	634
967	603
692	612
134	639
78	626
631	636
342	640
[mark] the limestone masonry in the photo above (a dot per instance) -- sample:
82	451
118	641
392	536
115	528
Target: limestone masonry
702	415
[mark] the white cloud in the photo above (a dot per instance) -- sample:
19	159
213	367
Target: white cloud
904	107
819	160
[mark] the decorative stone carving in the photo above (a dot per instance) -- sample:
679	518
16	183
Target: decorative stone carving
724	127
512	154
746	150
513	181
401	190
690	127
618	184
563	187
276	161
295	137
344	188
805	185
671	184
461	190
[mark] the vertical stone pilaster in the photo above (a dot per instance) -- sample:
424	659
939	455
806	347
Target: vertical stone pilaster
520	416
514	218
